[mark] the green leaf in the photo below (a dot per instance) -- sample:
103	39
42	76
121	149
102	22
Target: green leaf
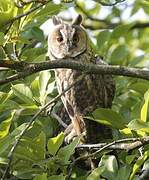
123	173
3	160
51	87
140	87
145	6
23	92
146	165
102	38
24	170
37	33
95	174
135	8
144	110
43	84
5	144
32	149
110	165
34	33
130	158
5	126
35	88
55	143
119	54
9	105
32	54
136	61
2	38
138	125
57	177
50	9
41	177
65	152
7	141
28	154
28	109
7	11
138	164
121	30
48	125
108	117
5	96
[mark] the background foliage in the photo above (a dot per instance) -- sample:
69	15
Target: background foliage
121	36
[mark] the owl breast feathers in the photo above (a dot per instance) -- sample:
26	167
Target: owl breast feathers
70	42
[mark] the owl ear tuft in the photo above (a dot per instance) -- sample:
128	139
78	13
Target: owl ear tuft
56	20
77	20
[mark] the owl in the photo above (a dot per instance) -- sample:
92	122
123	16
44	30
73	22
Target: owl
71	42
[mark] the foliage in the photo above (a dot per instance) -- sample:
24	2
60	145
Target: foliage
41	154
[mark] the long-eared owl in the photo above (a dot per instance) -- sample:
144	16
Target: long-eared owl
70	42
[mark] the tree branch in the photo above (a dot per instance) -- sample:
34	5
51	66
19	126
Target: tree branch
134	143
106	24
122	144
30	68
103	3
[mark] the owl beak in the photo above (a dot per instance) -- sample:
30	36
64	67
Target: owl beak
68	48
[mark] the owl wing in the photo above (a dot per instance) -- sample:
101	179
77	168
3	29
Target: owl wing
108	84
104	87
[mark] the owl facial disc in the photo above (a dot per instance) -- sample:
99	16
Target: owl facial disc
67	40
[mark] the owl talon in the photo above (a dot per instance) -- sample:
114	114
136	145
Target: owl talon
70	137
70	134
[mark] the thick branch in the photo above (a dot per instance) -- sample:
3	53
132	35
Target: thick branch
30	68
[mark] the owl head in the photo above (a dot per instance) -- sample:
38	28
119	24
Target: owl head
67	40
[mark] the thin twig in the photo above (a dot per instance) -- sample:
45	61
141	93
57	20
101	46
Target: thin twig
109	4
10	155
16	57
59	119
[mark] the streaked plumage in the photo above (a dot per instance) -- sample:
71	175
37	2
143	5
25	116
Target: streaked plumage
70	41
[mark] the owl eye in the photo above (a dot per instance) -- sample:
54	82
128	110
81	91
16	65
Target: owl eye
59	38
